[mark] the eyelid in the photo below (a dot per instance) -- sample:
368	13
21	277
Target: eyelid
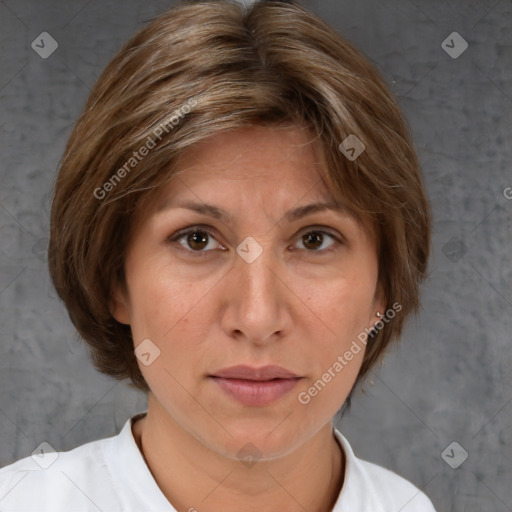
191	228
323	229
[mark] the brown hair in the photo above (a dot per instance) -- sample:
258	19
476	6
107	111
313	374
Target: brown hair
199	69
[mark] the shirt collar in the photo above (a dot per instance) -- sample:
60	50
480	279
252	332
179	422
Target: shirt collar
127	462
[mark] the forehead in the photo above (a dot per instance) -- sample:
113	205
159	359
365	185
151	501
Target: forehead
279	162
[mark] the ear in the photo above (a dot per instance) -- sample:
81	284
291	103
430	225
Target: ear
119	305
379	305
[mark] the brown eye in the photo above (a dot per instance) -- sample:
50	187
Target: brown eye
197	240
314	240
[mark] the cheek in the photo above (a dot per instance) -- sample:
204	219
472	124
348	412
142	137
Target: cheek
336	355
176	316
163	302
343	305
167	312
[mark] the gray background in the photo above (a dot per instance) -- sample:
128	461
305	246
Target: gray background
448	380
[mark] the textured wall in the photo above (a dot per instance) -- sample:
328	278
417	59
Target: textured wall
450	378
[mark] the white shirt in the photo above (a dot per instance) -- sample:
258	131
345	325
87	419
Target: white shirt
110	475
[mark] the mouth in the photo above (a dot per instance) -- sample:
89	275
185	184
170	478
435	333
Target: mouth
255	386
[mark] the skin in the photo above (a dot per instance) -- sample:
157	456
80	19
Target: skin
298	305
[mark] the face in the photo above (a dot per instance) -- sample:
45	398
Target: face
245	281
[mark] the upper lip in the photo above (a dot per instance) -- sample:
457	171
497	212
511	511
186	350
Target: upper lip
250	373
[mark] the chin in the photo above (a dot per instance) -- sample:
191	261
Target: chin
272	437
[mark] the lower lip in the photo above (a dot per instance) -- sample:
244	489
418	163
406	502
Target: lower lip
250	392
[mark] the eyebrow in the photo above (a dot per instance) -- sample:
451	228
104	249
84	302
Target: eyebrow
289	216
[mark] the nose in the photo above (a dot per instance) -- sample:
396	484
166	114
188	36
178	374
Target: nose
257	301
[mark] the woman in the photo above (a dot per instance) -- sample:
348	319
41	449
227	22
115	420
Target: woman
239	227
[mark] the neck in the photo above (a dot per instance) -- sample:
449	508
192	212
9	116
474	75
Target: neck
192	476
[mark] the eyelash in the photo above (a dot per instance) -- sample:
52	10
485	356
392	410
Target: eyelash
204	229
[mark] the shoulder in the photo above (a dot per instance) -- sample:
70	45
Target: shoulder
52	480
393	490
369	486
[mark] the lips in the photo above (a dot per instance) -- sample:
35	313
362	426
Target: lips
261	374
256	386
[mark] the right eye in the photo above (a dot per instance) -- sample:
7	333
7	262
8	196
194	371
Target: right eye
193	240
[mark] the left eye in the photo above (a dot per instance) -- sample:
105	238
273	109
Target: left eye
315	239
